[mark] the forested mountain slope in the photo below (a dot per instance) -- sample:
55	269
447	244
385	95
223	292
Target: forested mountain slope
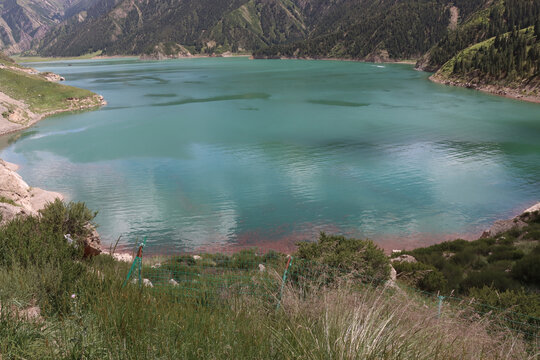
508	63
496	18
378	30
355	29
22	21
137	26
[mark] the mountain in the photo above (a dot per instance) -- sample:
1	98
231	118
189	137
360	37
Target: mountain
507	64
495	18
200	26
23	21
356	29
377	30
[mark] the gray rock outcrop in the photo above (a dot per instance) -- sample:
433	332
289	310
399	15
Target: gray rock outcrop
17	197
518	222
404	258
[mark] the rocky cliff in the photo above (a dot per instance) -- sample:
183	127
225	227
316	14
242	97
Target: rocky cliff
17	197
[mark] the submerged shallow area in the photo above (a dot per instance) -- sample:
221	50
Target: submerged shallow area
214	152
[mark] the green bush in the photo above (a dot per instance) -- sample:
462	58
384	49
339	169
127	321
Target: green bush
505	252
433	281
528	268
499	280
36	244
423	276
517	300
352	256
454	276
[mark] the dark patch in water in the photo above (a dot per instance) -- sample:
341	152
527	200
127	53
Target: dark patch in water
337	103
20	136
107	108
160	95
193	82
127	79
250	109
248	96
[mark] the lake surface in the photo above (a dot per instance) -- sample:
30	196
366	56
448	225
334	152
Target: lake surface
216	152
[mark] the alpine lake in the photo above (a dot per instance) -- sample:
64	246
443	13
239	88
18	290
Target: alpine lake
223	153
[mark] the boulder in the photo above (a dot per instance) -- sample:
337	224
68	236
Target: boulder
393	274
502	226
124	257
404	258
92	243
518	222
17	198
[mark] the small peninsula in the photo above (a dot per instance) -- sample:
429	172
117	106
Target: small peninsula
27	96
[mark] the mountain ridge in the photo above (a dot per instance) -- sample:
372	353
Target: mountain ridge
24	21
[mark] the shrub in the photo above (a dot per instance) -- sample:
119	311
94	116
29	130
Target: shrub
505	252
423	276
37	244
528	268
515	300
359	257
454	276
489	277
433	281
464	257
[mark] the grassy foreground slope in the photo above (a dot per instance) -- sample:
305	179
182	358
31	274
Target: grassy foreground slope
56	304
26	96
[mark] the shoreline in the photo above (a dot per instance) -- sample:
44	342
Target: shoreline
287	244
501	91
8	127
388	61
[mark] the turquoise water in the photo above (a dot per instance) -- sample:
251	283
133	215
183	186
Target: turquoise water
203	152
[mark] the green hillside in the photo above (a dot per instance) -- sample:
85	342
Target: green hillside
496	19
202	26
510	60
342	28
38	95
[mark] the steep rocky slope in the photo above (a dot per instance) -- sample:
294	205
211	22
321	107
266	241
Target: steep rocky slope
23	21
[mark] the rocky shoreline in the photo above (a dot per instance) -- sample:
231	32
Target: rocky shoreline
17	197
15	115
507	92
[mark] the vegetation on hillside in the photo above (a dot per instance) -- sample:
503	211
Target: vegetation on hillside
344	28
510	60
202	26
503	271
56	304
385	29
499	18
41	96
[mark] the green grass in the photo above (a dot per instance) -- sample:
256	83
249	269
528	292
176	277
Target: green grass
86	313
41	95
6	200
